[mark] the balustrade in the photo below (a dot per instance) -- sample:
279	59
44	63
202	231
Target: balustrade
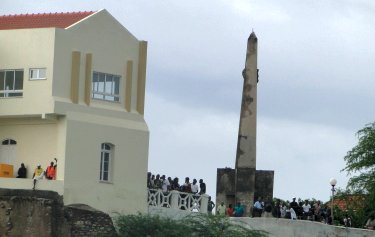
178	200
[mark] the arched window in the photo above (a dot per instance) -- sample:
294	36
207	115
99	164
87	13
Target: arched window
106	157
9	142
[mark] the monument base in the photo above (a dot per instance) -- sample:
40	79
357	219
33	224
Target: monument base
244	187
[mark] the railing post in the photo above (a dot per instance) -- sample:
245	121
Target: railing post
174	199
204	203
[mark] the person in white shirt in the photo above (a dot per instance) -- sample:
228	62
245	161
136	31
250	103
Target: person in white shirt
165	184
306	209
258	208
194	187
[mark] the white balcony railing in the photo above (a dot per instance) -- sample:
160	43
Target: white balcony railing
178	200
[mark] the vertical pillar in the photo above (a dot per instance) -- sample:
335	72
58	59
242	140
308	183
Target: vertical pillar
174	199
246	145
74	82
141	86
204	203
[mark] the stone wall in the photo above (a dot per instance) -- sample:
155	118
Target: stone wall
85	221
299	228
264	185
26	213
250	183
277	227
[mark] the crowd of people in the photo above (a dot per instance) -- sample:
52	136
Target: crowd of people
167	184
39	172
303	210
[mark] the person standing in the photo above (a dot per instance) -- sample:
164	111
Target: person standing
258	208
317	207
186	187
230	210
306	209
221	209
51	171
210	206
165	184
22	171
238	210
202	187
38	175
194	187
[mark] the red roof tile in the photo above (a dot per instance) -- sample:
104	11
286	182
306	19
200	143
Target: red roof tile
44	20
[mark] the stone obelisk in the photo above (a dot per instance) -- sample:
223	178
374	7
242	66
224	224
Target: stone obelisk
246	145
244	182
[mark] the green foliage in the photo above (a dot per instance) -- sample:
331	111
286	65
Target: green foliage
149	226
218	226
191	226
358	216
362	159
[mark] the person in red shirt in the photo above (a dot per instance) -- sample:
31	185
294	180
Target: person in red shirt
230	210
51	171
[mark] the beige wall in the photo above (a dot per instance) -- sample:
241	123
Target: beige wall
74	132
127	191
111	46
44	184
36	141
25	49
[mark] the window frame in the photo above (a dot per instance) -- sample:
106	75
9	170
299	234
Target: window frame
5	93
110	90
105	171
38	73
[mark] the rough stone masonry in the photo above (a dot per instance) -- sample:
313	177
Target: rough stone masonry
27	213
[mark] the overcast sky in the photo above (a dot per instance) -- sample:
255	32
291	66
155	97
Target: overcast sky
316	85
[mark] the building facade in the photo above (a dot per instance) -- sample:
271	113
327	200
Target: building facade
72	87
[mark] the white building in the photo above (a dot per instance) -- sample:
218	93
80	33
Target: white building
72	86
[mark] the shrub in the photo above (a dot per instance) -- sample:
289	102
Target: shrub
144	225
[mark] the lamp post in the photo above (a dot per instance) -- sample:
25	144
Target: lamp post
333	183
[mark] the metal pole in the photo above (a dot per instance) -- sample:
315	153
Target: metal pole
333	193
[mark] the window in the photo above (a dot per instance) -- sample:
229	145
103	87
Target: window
106	162
9	142
11	83
105	86
38	73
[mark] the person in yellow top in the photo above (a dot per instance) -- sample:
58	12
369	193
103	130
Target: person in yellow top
38	175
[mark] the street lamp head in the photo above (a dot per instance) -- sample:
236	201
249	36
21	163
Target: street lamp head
333	181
